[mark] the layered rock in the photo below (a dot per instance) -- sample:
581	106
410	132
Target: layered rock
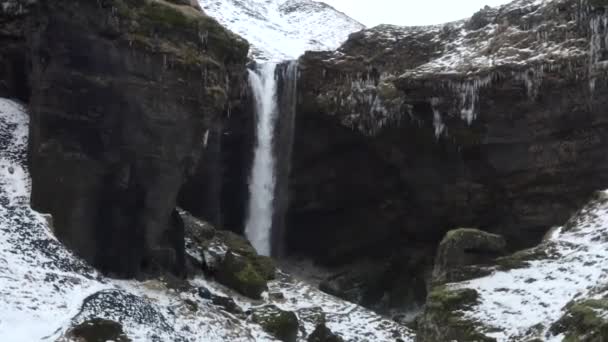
494	122
125	95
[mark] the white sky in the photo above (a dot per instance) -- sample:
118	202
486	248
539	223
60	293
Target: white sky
410	12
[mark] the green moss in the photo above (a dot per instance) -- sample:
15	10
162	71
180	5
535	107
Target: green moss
241	275
521	259
446	299
162	14
182	30
443	318
239	245
279	323
584	321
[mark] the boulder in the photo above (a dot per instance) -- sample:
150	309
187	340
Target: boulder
465	247
241	275
97	330
228	257
279	323
323	334
125	93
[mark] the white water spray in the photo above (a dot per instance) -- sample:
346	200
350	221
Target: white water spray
262	183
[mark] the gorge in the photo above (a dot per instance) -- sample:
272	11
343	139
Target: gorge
411	183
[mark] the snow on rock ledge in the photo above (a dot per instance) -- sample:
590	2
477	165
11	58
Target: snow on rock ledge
524	41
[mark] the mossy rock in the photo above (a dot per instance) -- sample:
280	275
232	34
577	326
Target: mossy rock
584	321
463	247
98	330
237	244
185	32
279	323
522	258
239	273
443	318
323	334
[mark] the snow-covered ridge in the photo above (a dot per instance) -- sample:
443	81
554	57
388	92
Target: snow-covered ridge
283	29
45	289
517	35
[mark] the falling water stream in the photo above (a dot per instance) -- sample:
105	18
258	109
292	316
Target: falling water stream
275	111
261	185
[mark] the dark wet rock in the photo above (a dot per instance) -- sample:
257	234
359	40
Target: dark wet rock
97	330
124	94
227	304
281	324
462	249
204	293
323	334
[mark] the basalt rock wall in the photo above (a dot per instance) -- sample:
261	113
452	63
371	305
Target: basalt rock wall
128	103
496	122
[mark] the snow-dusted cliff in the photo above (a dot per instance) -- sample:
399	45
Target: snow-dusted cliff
283	29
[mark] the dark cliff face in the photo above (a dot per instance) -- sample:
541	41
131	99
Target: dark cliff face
497	122
127	97
13	58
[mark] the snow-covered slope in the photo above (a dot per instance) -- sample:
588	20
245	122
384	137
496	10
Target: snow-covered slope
283	29
45	289
570	265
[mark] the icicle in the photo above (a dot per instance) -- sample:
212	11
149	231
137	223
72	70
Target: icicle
468	96
206	139
437	120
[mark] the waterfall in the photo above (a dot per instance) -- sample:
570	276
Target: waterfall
274	90
261	185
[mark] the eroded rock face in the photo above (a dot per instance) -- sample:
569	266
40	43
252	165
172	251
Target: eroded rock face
125	93
496	122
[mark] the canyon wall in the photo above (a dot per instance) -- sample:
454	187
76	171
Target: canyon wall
496	122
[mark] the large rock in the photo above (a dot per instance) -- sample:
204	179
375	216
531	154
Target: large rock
97	330
462	249
124	95
228	257
404	133
279	323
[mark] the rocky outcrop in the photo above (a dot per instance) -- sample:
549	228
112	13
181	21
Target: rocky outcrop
125	96
228	257
495	122
461	252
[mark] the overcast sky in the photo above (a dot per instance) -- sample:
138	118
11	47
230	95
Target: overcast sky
410	12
